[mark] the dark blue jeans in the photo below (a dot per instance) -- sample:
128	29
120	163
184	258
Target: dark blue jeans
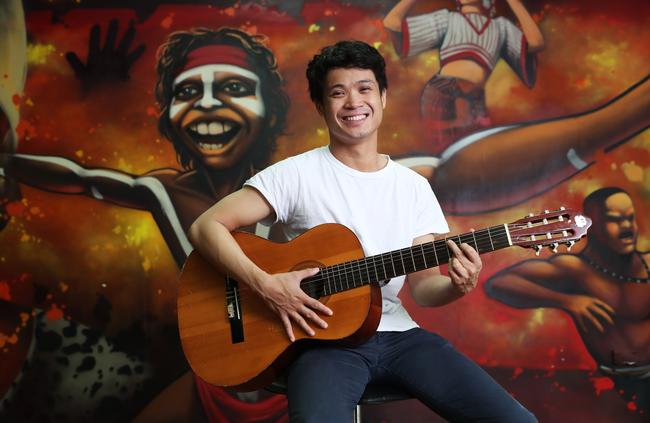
325	383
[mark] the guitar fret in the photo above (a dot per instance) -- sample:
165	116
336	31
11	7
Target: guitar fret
412	259
448	252
424	257
475	244
359	270
347	281
374	265
490	236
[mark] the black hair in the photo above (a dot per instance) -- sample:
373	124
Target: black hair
344	54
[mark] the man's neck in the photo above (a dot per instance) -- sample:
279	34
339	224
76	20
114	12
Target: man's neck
363	157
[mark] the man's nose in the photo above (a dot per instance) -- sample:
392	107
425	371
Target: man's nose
353	100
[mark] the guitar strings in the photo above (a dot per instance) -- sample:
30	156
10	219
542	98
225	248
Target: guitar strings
482	240
417	258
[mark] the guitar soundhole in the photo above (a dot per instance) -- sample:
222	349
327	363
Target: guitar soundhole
312	286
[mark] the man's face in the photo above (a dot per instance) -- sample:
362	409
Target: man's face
217	111
353	105
618	230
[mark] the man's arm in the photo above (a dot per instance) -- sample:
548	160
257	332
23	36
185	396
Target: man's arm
431	289
211	236
542	283
530	29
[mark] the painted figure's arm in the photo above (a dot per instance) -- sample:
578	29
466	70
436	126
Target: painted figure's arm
63	176
501	167
393	19
528	26
542	283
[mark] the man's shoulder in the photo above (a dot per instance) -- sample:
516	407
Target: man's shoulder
296	163
404	171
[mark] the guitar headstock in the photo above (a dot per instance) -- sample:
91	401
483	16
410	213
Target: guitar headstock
551	228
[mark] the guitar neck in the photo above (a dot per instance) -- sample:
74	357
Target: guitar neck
381	267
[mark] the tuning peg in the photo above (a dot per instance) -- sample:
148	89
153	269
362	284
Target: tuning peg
569	245
554	247
562	208
538	249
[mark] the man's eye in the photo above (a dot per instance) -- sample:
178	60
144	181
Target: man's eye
337	93
237	88
186	92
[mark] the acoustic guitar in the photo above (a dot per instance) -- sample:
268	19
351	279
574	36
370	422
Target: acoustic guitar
232	339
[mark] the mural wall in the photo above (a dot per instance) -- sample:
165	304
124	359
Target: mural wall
112	146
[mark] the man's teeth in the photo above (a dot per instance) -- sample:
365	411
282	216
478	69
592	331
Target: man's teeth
356	117
211	128
206	146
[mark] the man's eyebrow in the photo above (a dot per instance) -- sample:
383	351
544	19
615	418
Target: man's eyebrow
361	81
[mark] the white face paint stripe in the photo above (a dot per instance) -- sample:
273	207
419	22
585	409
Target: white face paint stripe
206	72
153	184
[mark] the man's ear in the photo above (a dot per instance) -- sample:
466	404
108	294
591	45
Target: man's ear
319	108
383	98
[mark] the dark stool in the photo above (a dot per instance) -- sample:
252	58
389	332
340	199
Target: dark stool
375	393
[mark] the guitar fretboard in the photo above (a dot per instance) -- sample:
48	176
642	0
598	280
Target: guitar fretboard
381	267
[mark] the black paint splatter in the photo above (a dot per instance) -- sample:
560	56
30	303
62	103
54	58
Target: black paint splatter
87	364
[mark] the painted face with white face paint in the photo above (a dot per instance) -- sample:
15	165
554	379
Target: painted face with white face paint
218	111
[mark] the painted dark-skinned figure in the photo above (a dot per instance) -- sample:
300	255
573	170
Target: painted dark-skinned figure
222	107
605	288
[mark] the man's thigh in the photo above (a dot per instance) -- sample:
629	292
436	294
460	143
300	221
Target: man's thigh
325	384
449	383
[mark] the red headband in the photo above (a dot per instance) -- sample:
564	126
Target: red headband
216	54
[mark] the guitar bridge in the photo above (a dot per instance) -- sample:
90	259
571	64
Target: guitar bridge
234	311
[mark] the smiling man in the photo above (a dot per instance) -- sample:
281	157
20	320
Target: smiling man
388	207
605	289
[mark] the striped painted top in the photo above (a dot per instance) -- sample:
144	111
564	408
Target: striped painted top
469	37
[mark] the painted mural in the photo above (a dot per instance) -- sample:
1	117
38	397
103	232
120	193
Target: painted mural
111	146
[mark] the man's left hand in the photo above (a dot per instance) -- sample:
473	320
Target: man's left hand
464	266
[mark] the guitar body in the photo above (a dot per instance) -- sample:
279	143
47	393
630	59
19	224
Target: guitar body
255	360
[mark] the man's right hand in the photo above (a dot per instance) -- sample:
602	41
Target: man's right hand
282	293
584	309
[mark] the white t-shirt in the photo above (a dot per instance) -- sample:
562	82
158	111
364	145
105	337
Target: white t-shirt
386	209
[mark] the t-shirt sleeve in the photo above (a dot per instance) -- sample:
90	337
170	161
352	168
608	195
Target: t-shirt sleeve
428	218
278	184
515	52
424	32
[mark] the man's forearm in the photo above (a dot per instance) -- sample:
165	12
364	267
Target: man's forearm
435	291
217	245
